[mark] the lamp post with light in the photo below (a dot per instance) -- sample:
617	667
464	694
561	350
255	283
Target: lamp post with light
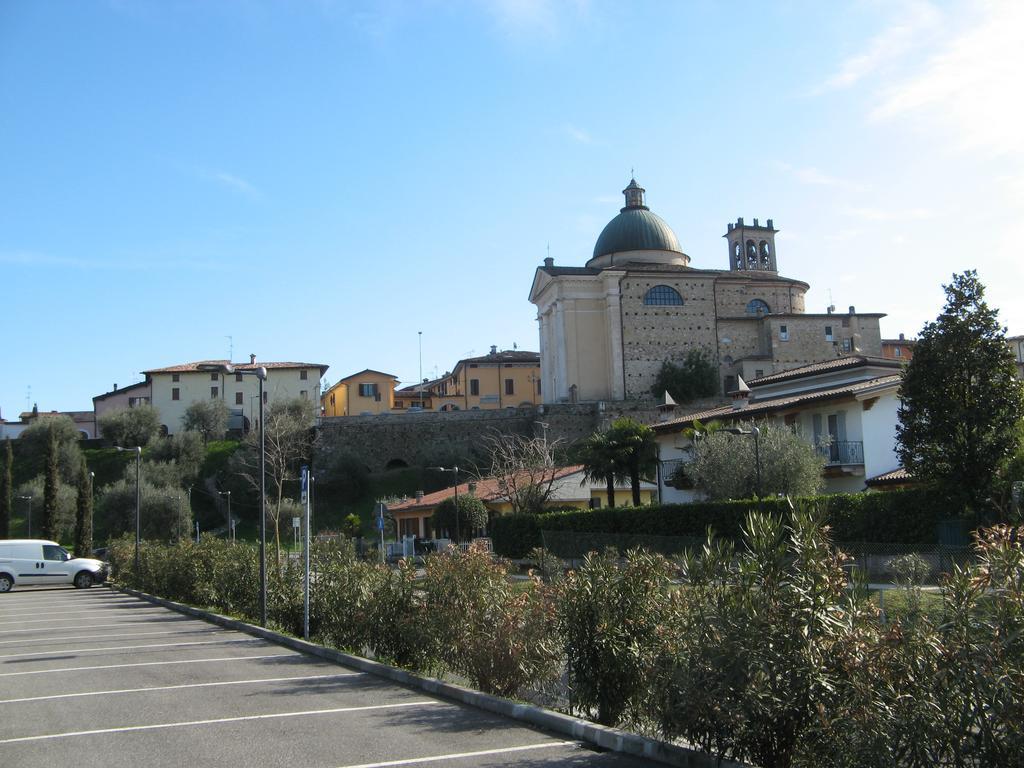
231	523
138	497
261	374
29	500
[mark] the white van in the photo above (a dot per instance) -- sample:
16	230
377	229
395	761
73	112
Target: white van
34	561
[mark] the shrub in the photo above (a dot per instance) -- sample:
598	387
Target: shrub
609	614
483	627
515	535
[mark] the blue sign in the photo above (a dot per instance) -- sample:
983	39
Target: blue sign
305	483
380	523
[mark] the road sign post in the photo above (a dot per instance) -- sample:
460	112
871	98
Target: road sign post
307	482
381	509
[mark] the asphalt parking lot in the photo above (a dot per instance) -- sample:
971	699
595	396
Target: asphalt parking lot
97	678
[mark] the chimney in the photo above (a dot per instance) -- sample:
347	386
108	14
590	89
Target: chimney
252	359
115	386
419	495
494	349
901	337
472	487
853	310
740	395
549	262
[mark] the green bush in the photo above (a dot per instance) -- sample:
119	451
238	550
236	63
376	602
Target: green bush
515	535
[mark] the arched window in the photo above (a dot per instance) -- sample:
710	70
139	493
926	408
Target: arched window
766	255
663	295
757	307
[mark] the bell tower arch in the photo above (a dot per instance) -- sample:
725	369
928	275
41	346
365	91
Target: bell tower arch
751	246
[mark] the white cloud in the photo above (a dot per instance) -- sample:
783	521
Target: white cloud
882	214
578	134
533	15
908	32
817	178
231	181
969	86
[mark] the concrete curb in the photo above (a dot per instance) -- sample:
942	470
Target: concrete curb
599	735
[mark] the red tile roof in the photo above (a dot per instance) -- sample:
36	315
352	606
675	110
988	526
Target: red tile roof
190	367
486	490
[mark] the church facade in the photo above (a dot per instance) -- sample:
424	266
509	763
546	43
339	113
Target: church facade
607	327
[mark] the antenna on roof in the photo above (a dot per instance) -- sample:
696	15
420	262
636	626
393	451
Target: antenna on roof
831	305
231	347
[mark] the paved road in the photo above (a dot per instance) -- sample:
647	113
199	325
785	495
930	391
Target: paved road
96	678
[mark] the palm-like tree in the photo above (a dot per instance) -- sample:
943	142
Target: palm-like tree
638	451
602	462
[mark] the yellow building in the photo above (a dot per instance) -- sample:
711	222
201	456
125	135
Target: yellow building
570	488
505	379
365	393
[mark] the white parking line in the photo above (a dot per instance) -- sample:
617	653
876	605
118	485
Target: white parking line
146	664
219	720
463	755
131	647
90	613
109	635
99	626
179	687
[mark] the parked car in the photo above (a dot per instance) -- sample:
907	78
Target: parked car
35	561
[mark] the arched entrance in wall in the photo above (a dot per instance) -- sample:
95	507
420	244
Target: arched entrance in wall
396	464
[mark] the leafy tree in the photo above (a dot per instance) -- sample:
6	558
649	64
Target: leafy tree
525	470
287	424
207	417
64	516
725	465
638	448
34	445
351	526
6	491
163	513
131	427
50	484
694	377
472	515
961	400
602	461
184	451
83	513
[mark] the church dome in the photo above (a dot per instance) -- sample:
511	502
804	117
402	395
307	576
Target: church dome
636	228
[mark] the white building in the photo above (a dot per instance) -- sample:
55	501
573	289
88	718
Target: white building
175	388
846	407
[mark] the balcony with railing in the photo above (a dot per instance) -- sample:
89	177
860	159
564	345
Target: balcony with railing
840	452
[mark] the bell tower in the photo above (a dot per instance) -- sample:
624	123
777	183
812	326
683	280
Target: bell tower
751	247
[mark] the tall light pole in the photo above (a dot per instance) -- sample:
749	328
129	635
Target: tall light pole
231	523
92	517
138	497
29	499
420	381
261	374
455	470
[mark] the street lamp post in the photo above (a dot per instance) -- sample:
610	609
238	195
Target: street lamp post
261	374
29	499
231	522
138	498
92	517
458	528
756	432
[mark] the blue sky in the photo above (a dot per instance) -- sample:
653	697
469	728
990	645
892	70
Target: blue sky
320	181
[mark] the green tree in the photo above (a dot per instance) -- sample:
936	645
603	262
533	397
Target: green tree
209	418
696	376
961	401
524	468
50	484
352	526
163	513
602	463
725	466
83	513
65	511
34	445
472	515
131	427
639	451
6	491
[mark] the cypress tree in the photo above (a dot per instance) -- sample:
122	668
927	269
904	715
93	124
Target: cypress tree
50	488
6	491
961	400
83	513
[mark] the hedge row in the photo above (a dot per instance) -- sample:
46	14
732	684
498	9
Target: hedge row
908	517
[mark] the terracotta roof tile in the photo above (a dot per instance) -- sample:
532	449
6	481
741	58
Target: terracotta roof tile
191	367
486	490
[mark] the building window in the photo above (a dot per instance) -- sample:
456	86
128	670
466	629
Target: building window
238	377
828	333
510	386
846	345
538	387
175	394
368	389
783	333
474	387
239	398
730	384
214	376
304	394
303	374
175	377
663	296
897	352
757	307
758	373
214	392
